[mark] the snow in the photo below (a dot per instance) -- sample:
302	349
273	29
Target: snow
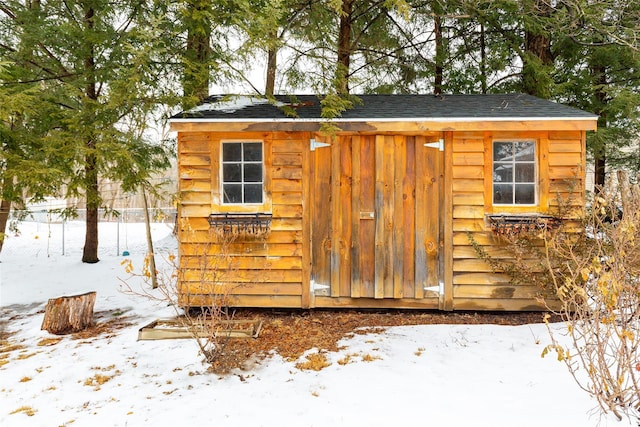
431	375
232	104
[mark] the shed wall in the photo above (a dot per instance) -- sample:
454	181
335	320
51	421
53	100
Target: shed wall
561	158
276	272
254	273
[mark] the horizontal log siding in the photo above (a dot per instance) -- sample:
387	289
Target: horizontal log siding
266	273
561	167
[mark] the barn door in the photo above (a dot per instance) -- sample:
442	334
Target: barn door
376	218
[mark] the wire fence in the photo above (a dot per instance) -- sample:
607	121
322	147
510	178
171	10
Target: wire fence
116	225
132	215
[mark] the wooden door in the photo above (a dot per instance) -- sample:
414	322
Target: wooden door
376	218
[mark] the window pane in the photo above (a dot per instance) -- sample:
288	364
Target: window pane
253	193
503	194
231	152
232	193
503	172
231	172
525	151
525	194
525	172
252	151
253	172
502	151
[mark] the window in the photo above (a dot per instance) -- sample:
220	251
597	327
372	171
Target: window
242	172
514	173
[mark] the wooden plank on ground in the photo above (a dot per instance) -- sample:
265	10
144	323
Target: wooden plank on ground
162	329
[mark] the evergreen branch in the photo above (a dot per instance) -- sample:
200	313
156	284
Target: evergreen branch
372	6
363	31
72	16
38	80
10	49
418	49
7	11
15	18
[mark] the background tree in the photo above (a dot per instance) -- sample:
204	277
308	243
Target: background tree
96	68
196	19
598	70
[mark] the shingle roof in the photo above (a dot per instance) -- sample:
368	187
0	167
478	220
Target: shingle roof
246	108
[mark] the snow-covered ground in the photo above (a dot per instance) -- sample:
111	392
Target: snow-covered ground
432	375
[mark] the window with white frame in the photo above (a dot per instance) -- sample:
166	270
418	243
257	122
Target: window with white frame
242	172
514	173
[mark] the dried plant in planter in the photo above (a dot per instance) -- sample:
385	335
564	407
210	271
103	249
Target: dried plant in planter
238	227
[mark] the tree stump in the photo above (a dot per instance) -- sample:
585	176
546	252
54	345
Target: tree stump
68	314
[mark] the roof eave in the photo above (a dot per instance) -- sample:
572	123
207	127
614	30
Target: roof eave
413	125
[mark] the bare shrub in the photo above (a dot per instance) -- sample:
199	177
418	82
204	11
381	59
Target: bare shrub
596	277
206	269
589	274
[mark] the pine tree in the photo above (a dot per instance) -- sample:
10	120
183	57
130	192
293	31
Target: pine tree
598	70
97	74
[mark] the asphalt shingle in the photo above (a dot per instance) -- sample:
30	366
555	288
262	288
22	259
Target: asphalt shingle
384	107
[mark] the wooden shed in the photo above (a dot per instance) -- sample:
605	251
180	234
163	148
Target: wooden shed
379	214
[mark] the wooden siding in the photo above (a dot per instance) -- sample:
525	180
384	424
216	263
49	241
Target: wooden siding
373	220
376	221
267	272
561	162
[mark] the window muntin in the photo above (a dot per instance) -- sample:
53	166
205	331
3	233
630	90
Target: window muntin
242	173
514	173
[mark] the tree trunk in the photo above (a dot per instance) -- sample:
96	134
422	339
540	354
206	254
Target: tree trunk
437	25
538	55
272	65
599	74
68	314
483	60
344	48
198	50
90	251
150	254
5	210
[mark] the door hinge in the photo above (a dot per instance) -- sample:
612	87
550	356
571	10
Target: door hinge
439	144
317	144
